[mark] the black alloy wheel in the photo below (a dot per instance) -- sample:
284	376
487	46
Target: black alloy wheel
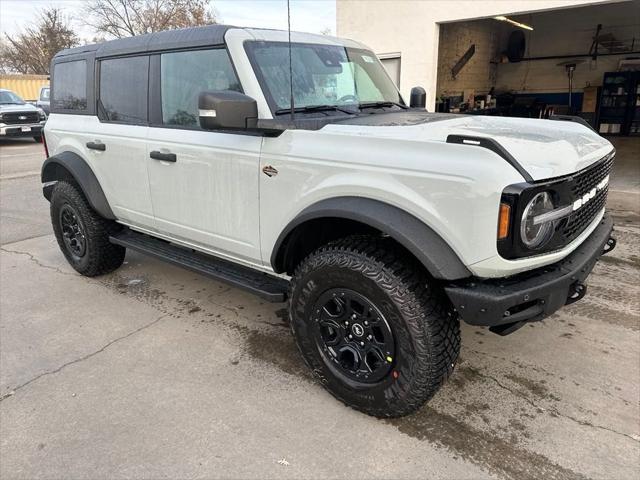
353	336
73	231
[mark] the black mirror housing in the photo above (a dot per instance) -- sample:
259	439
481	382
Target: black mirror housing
219	110
418	98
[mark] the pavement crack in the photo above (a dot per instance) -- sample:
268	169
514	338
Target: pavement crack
38	262
81	359
552	410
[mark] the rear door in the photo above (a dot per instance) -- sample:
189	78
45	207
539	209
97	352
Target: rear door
117	143
204	184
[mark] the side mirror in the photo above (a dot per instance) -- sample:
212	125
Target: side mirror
220	110
418	98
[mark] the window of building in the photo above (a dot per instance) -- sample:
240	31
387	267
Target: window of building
392	66
70	85
185	74
124	89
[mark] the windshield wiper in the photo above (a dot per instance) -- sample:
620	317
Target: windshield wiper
315	108
381	105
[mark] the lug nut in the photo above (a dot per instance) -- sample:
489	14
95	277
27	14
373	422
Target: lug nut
362	344
369	337
366	323
350	336
353	316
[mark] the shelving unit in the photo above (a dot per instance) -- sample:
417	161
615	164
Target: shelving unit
619	112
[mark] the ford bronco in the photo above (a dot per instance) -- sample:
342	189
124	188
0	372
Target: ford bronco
381	224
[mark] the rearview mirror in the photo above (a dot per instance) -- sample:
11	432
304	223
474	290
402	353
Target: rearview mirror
220	110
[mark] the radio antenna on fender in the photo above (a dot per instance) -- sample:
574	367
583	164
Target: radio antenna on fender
290	61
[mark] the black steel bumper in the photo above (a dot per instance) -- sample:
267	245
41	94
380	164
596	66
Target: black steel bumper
506	304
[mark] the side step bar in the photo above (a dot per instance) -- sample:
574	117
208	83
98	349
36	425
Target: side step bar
270	288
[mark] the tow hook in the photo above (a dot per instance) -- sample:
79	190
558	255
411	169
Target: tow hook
576	292
610	245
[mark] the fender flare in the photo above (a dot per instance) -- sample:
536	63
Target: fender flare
413	234
58	167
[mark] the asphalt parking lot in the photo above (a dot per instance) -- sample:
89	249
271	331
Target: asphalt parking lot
153	371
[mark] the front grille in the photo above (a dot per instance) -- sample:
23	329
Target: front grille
16	118
580	184
580	219
591	176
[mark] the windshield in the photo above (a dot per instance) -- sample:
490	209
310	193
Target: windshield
44	94
323	75
7	97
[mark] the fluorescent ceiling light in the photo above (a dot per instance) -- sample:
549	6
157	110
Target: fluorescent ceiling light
502	18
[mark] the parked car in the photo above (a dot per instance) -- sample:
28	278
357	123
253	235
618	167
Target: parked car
43	99
382	224
18	118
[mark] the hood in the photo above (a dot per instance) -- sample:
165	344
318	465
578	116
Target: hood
544	148
27	107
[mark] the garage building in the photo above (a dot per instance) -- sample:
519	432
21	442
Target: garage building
516	58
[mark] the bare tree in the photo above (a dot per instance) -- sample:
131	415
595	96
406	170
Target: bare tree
125	18
31	51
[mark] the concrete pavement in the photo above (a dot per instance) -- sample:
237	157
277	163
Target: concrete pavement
154	371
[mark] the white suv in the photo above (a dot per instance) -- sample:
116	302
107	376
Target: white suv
382	224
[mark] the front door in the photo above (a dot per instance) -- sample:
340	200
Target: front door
204	185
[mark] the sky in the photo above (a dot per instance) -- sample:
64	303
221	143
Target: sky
306	15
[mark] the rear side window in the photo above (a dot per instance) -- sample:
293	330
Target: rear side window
70	85
184	75
123	89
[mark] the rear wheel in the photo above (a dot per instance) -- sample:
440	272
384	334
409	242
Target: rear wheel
375	330
82	234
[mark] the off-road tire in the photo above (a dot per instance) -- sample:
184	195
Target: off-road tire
426	330
100	256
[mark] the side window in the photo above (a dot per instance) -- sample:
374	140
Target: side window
123	89
70	85
183	75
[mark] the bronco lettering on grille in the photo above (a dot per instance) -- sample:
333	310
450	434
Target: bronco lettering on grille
590	194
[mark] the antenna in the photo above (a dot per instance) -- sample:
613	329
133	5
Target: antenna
290	62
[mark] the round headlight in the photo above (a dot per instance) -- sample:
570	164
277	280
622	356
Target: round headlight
535	235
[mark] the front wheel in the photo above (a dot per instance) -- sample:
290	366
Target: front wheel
372	326
82	234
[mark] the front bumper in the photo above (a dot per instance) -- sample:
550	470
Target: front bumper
34	130
506	304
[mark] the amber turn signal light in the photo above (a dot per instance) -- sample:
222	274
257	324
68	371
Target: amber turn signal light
503	221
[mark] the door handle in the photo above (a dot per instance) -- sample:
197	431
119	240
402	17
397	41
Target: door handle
165	157
97	146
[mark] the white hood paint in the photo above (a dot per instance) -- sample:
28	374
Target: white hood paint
544	148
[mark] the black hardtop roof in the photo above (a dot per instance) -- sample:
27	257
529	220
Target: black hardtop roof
150	42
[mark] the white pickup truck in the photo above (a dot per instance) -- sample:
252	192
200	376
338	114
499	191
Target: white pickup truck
382	224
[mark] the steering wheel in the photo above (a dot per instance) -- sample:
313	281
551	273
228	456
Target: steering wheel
344	98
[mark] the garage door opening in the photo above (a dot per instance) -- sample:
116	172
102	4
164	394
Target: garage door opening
581	61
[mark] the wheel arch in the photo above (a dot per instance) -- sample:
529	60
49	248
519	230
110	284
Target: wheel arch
348	215
72	167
